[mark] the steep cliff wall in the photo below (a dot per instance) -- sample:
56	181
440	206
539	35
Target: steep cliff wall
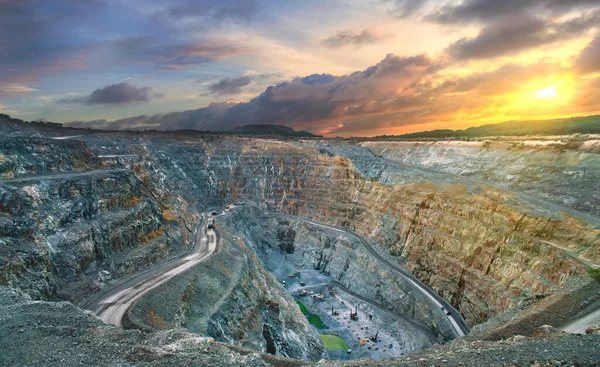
486	234
541	169
232	298
286	245
37	333
68	225
59	334
479	247
30	156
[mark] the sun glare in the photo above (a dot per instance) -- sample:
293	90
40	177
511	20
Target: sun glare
549	92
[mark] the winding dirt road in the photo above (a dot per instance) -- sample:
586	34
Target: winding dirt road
66	175
579	326
112	305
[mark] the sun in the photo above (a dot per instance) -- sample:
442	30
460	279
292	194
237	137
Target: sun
546	93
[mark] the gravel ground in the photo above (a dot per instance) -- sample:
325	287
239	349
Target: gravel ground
567	351
60	334
34	333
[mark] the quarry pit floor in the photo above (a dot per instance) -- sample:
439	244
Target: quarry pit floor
331	315
376	333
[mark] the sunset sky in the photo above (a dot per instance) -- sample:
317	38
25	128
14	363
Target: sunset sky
333	67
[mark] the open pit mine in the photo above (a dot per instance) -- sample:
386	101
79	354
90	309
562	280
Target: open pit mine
193	249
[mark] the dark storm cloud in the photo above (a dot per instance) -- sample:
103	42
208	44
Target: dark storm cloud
34	37
318	79
351	38
38	37
116	94
230	85
504	37
207	118
487	10
303	100
514	34
397	91
589	60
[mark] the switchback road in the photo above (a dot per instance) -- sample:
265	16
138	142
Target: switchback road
459	325
65	175
112	305
580	325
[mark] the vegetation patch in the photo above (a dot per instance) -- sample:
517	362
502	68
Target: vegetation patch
133	201
313	319
157	321
334	342
154	234
186	301
594	273
169	214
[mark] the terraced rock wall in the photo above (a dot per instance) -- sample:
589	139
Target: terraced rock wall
481	248
232	298
286	245
546	170
68	225
30	156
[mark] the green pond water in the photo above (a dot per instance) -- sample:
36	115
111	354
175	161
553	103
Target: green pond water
312	318
331	342
334	342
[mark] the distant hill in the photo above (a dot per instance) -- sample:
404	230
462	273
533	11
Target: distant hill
276	130
18	127
9	125
568	126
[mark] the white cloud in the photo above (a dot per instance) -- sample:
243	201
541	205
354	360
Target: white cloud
15	90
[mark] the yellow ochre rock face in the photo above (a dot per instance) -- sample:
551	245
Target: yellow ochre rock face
480	250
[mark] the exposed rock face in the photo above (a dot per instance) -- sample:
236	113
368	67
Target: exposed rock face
479	247
30	156
63	220
232	298
564	177
483	248
59	334
593	330
344	259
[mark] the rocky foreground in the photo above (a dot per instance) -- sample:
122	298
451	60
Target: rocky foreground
59	334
